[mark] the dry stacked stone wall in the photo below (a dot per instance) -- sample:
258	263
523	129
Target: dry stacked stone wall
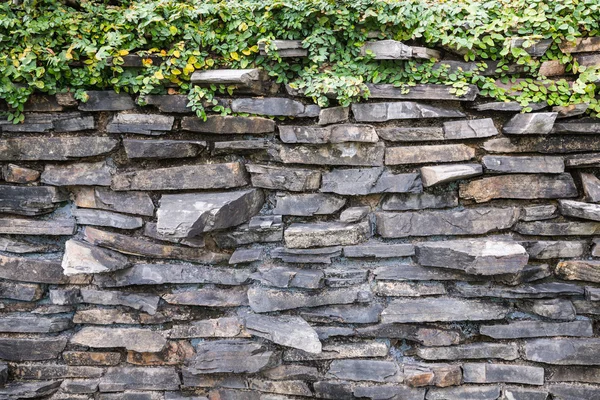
415	246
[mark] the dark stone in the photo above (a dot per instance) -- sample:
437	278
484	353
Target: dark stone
419	201
322	255
340	351
558	228
22	226
365	181
534	291
153	149
560	351
30	200
508	351
470	129
530	124
329	134
422	91
138	203
22	349
229	356
20	291
117	379
86	216
591	187
365	370
352	314
578	209
292	179
263	228
441	309
380	112
410	134
138	301
107	101
524	164
526	329
229	125
54	148
546	249
83	174
274	106
34	270
29	390
141	124
285	277
379	250
289	331
349	154
307	204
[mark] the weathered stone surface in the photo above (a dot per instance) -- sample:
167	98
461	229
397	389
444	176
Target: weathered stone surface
359	154
419	201
218	327
151	231
138	203
563	351
409	289
135	339
267	300
524	164
307	204
582	125
80	257
427	336
322	255
565	391
138	301
106	316
363	181
579	270
365	370
520	393
54	148
469	129
34	270
330	134
23	349
244	256
16	174
56	371
340	351
287	331
354	214
439	153
547	249
530	124
29	390
524	329
591	187
274	106
558	228
27	323
422	91
464	393
578	209
292	371
290	387
242	147
107	100
156	149
117	379
206	176
333	115
500	373
586	374
323	234
354	314
338	277
561	309
519	186
230	356
441	309
405	134
580	45
85	174
386	50
91	358
254	81
142	124
473	256
474	221
213	297
289	277
30	200
292	179
436	174
106	218
283	48
190	214
141	247
380	112
442	375
582	160
379	250
20	291
262	228
508	351
541	290
538	213
220	124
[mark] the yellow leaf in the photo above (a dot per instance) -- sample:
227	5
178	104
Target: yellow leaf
176	53
210	62
175	71
192	60
235	56
173	30
123	52
189	68
246	52
159	75
243	27
146	62
254	49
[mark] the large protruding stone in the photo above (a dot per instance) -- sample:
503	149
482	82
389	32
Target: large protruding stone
188	215
473	256
436	174
287	331
530	124
323	234
578	209
83	258
380	112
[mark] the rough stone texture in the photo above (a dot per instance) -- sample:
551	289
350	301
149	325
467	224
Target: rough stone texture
85	174
107	101
470	129
330	134
292	179
106	218
228	125
286	331
524	329
135	339
54	148
142	124
138	203
577	209
157	149
365	181
530	124
418	201
563	351
23	349
441	153
494	373
509	351
233	356
80	257
526	164
326	234
307	205
591	187
349	154
380	112
30	200
579	270
435	175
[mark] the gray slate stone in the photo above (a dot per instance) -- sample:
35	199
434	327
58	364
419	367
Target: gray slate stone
380	112
279	178
20	291
267	300
209	297
307	204
22	226
333	115
86	216
474	221
440	153
31	349
524	164
54	148
420	91
558	228
28	323
549	249
323	234
274	106
470	129
354	214
387	50
436	174
566	391
501	373
157	149
413	272
379	250
230	356
138	301
190	214
473	256
419	201
349	154
530	124
525	329
348	314
283	48
29	390
340	351
322	255
365	370
519	186
409	289
78	174
80	257
242	147
137	203
29	269
289	331
520	393
538	212
410	134
330	134
464	393
142	124
118	379
206	176
561	309
441	309
578	209
559	351
262	228
107	100
591	187
364	181
244	256
221	124
135	339
502	351
285	277
217	327
30	200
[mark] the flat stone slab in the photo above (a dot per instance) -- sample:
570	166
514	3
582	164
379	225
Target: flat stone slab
230	356
107	100
549	249
502	351
578	209
328	134
280	178
209	297
54	148
207	176
441	309
339	351
289	331
530	124
474	256
437	174
118	379
190	214
379	250
83	258
30	200
419	201
307	204
524	291
28	323
543	228
474	221
36	270
135	339
519	186
440	153
487	392
527	329
218	327
381	112
591	187
285	277
524	164
349	154
470	129
275	106
29	390
138	203
228	125
559	351
84	174
410	134
363	181
579	270
87	216
138	301
501	373
323	234
365	370
420	91
31	349
159	149
141	124
22	226
353	314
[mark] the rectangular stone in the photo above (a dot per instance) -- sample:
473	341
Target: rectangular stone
141	124
20	291
274	106
307	204
502	351
138	203
474	221
524	164
106	218
467	392
579	270
558	228
78	174
229	356
526	329
409	289
379	250
559	351
55	148
578	209
380	112
34	270
205	176
262	228
323	234
441	309
359	154
470	129
519	186
280	178
525	291
30	200
428	154
226	124
106	100
209	328
573	392
340	351
159	149
138	301
437	174
290	277
209	297
135	339
425	335
538	212
422	91
365	370
585	374
549	249
419	201
354	314
410	134
413	272
530	123
118	379
91	358
31	349
363	181
330	134
501	373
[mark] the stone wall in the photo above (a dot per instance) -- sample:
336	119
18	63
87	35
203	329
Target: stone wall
413	247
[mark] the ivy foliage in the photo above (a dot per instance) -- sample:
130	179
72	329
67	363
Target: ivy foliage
48	46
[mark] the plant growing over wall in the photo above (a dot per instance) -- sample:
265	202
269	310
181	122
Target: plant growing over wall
48	46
